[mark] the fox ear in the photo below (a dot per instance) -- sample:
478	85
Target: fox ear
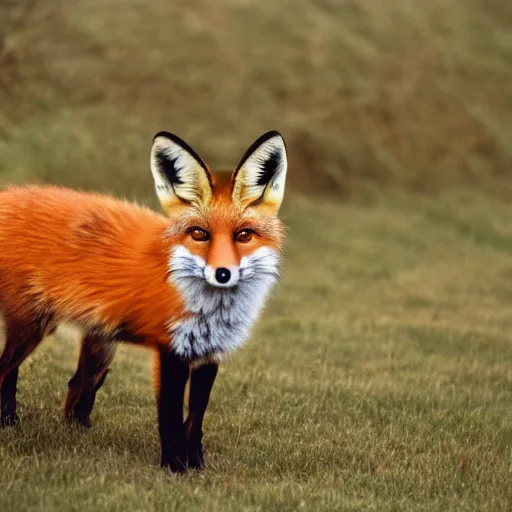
179	173
260	176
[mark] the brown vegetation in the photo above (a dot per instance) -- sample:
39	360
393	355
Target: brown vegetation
413	94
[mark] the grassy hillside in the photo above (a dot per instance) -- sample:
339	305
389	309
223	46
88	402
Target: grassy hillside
415	94
379	378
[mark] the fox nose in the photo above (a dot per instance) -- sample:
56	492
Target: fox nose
223	275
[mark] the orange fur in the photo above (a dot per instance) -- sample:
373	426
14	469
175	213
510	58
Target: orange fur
91	259
222	217
98	261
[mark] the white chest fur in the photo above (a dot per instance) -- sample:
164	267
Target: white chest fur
221	318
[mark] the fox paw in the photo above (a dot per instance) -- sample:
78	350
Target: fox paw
176	461
79	418
195	458
8	419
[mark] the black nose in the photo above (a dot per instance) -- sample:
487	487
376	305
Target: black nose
223	275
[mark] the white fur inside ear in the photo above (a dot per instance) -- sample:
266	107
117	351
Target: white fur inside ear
178	174
263	173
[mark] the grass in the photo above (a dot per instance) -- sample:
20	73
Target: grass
411	93
379	378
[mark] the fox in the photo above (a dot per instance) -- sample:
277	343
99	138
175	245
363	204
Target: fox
188	283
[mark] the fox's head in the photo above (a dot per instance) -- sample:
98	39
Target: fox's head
224	238
224	226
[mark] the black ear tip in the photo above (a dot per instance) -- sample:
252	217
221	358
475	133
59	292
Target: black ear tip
166	135
181	143
266	136
257	143
269	135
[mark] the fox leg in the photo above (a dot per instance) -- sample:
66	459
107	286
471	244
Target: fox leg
21	338
201	383
96	354
8	416
170	380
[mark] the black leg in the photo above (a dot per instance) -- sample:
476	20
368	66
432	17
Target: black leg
201	383
8	416
95	357
21	339
172	380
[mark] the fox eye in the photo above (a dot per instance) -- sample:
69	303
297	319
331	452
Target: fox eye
244	235
199	234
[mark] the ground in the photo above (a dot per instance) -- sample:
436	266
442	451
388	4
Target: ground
378	378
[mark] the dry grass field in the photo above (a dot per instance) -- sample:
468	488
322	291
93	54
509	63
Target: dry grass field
379	378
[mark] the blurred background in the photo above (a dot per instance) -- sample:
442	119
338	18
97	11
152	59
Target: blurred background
414	94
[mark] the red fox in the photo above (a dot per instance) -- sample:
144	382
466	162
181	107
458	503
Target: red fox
188	285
